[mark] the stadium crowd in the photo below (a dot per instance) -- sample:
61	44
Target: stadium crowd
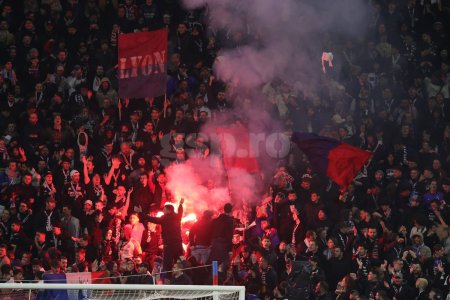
82	171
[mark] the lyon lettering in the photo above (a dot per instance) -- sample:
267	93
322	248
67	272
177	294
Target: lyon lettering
134	66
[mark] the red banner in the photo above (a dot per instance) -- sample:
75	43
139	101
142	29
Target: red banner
142	64
236	149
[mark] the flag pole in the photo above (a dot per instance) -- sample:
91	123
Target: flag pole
227	175
165	105
120	109
221	141
367	164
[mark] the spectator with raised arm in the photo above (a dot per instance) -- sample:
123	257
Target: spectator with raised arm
171	233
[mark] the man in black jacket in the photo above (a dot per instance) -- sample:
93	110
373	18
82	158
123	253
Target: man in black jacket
399	289
144	276
179	277
19	240
200	238
45	219
222	235
339	266
171	233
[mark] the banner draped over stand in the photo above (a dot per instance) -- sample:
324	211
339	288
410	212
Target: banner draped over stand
142	64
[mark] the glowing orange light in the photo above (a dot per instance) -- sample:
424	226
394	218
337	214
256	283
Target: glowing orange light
192	217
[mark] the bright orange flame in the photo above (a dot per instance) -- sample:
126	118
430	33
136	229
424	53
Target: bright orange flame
192	217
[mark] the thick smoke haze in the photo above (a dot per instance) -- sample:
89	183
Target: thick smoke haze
286	37
200	183
204	184
268	40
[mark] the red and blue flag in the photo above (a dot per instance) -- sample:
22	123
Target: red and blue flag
341	162
78	278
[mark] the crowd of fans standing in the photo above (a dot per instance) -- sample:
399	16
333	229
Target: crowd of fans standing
83	172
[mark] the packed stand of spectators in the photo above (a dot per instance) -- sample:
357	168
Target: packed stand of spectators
83	171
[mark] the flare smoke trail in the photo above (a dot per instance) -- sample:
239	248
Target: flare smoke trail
199	182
